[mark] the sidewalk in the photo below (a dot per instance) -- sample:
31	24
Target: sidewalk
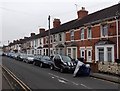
107	77
3	82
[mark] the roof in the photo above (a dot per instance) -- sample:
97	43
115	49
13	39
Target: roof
98	16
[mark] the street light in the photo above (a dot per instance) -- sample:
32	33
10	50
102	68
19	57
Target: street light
49	35
117	29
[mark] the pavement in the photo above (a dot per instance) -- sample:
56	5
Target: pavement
107	77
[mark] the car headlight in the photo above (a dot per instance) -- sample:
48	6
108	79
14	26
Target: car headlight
65	63
87	65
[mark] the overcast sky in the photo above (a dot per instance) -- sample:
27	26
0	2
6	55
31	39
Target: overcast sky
18	18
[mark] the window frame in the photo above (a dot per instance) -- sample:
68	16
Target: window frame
89	34
72	35
104	30
82	32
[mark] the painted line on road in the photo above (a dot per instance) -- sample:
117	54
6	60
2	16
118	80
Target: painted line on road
69	81
7	81
23	85
62	81
104	80
85	86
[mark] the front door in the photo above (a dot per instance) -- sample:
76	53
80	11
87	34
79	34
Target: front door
89	55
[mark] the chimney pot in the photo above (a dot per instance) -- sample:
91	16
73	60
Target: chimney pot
41	30
32	34
56	23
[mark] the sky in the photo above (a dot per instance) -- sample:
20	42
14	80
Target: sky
19	18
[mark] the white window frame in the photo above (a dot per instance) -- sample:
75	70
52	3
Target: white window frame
82	32
82	49
103	29
105	52
68	52
72	35
60	38
71	54
89	34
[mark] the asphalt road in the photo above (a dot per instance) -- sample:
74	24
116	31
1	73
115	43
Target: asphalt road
44	78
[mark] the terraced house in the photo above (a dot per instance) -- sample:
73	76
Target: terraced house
95	37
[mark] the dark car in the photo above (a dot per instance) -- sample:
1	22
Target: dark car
37	60
43	61
22	56
62	63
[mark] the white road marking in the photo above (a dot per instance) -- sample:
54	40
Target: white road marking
53	77
85	86
64	80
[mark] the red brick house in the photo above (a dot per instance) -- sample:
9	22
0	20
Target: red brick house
95	37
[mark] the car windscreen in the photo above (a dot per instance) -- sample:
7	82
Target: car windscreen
66	58
46	58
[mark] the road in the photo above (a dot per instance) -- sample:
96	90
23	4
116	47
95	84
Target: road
44	78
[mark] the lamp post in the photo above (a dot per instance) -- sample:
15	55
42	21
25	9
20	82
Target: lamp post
49	35
117	30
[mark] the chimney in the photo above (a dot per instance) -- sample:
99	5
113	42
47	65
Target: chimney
82	13
56	23
14	41
25	37
41	30
32	34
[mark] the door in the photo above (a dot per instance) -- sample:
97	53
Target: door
89	55
74	53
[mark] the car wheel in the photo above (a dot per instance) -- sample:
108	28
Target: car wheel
41	65
51	67
61	70
34	63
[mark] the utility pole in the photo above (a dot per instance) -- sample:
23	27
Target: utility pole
117	28
49	35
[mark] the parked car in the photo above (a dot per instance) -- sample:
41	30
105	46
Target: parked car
42	61
36	60
22	57
29	59
62	63
15	55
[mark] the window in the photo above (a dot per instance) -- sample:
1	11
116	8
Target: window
82	52
40	41
82	34
44	52
51	38
109	55
32	51
72	35
60	37
101	54
61	51
40	52
89	33
46	40
69	52
104	30
54	38
36	43
32	43
37	51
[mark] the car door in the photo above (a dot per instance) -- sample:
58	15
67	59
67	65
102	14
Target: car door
57	61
